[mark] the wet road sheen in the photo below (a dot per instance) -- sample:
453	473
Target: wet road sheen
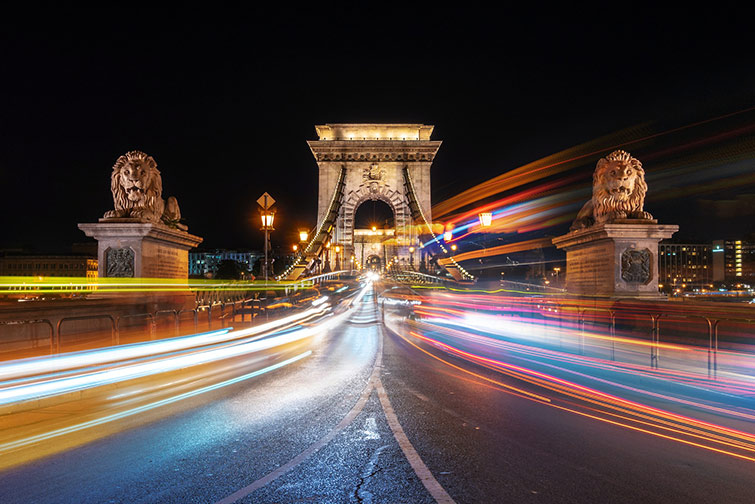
368	418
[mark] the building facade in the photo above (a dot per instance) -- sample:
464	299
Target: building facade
685	266
734	261
48	266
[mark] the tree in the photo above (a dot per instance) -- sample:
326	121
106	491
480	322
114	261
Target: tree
229	270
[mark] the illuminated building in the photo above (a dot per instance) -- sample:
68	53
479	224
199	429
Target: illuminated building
206	263
685	266
48	265
734	261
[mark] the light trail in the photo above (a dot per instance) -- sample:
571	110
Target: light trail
562	161
655	417
144	359
58	363
33	285
550	356
13	445
146	377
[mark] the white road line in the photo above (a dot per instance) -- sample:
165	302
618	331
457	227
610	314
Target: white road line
426	477
428	480
350	416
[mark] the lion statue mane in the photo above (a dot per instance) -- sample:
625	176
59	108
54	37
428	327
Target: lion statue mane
137	189
618	192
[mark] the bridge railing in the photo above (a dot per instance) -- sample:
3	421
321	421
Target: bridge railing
22	338
660	334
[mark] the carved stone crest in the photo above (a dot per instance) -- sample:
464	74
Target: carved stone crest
120	262
635	266
374	172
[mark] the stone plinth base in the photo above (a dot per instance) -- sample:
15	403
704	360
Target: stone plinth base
616	260
129	248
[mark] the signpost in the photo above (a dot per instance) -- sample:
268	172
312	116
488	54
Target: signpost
265	202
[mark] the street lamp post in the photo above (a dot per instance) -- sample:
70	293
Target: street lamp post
486	219
268	217
411	257
338	260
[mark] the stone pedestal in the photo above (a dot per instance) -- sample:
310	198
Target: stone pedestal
130	248
619	259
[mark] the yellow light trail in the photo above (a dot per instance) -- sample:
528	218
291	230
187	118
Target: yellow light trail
67	285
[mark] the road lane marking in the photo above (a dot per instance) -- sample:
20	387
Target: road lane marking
369	431
420	468
423	473
347	420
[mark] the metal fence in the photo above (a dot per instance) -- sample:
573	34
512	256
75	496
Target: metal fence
47	336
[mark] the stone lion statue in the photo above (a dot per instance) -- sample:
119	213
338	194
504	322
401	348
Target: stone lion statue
137	189
618	192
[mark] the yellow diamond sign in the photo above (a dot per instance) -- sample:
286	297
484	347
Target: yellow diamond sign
265	201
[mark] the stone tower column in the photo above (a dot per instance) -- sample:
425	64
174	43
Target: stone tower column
375	156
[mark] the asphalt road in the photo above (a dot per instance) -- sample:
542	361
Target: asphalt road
370	418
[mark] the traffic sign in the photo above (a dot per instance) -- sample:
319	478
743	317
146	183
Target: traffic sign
265	201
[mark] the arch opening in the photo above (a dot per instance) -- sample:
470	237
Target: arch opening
375	213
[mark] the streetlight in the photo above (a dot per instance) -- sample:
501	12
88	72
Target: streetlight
295	247
411	257
303	235
448	236
338	260
486	219
268	217
454	247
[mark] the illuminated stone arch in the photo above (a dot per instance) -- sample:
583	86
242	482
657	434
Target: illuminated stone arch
375	158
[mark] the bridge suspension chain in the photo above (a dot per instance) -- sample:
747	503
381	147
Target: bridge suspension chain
417	209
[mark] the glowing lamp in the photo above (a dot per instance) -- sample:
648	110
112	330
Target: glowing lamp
295	247
338	249
454	247
448	235
411	250
486	219
303	235
267	219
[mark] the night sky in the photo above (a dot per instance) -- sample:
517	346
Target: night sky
225	102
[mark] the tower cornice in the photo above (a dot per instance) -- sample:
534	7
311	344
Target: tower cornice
374	150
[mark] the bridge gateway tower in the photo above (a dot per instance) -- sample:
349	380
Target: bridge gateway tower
367	162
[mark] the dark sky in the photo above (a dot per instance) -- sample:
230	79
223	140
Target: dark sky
225	101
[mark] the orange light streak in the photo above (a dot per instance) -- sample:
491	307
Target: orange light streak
668	421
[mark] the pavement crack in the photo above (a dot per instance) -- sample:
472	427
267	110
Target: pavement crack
363	496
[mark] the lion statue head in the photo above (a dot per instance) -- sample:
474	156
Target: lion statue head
137	189
618	191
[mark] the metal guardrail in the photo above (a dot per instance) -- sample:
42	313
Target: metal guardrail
579	317
205	316
712	324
